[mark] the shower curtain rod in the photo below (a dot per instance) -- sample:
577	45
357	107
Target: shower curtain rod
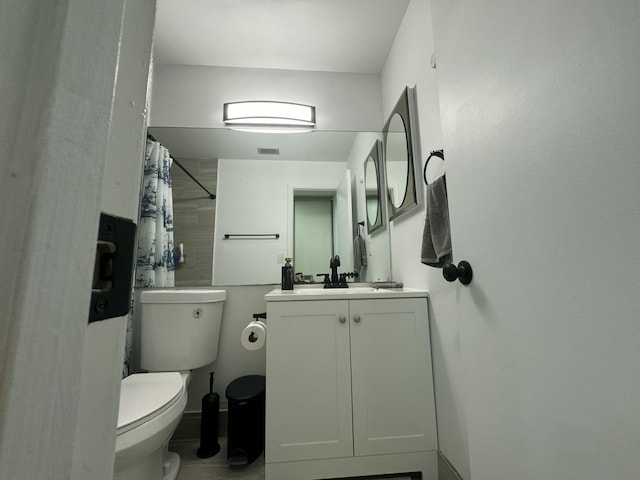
211	195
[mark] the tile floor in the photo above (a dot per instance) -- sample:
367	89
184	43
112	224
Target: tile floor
213	468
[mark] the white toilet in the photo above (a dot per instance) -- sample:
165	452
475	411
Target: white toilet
179	331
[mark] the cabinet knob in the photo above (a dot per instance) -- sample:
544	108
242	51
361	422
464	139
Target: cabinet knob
342	319
356	318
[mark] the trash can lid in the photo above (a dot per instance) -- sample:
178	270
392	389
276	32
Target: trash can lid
245	388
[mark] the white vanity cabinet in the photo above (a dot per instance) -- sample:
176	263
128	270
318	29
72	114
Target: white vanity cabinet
308	404
349	387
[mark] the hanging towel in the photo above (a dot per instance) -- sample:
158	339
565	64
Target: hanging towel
436	238
359	253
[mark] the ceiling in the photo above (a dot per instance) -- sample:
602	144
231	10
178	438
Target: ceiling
316	35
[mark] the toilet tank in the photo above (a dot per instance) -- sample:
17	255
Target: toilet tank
180	328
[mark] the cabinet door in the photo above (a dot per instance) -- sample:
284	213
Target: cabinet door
308	393
393	402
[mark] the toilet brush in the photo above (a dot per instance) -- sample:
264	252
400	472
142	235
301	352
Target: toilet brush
209	445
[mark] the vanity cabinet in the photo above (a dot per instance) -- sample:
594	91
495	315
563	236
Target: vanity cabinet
349	388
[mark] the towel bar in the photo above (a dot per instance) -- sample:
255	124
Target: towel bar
227	236
434	153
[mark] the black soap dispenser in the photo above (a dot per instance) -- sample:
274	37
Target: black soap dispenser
287	275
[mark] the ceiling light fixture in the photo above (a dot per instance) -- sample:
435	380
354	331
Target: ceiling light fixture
267	115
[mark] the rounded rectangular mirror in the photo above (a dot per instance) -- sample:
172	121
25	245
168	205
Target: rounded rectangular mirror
374	188
400	153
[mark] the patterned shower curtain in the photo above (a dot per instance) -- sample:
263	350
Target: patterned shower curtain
155	267
155	262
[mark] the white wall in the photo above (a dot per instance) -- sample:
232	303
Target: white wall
253	196
408	64
540	107
188	96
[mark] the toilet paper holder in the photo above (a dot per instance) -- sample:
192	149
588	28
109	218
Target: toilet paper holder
257	316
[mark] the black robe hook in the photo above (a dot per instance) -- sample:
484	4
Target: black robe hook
462	272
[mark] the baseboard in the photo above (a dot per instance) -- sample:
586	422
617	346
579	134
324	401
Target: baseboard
446	471
189	426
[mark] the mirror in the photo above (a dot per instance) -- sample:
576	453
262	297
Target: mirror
400	152
257	173
373	189
396	154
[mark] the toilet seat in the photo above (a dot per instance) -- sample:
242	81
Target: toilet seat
144	396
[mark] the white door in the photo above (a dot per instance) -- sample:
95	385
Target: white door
393	406
343	223
308	393
313	236
540	125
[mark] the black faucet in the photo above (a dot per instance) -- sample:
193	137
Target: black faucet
334	263
336	281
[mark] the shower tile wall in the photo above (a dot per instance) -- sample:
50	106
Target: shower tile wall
193	220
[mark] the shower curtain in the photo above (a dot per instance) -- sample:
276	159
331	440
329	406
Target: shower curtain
155	262
155	267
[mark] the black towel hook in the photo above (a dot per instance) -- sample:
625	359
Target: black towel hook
434	153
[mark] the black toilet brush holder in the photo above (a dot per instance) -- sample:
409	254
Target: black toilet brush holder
209	445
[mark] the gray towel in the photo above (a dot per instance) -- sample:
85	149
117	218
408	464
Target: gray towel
436	238
359	253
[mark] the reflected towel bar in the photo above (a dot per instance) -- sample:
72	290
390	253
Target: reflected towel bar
227	236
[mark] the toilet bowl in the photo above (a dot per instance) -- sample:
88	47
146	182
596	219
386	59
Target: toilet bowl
151	406
179	332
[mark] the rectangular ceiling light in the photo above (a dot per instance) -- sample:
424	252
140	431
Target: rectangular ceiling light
269	114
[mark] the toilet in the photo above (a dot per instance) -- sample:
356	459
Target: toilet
179	332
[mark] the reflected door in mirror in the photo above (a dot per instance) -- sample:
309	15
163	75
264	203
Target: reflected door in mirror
313	234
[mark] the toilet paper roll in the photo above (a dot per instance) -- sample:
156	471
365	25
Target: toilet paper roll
253	336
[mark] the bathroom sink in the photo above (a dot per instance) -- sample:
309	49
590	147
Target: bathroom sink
327	291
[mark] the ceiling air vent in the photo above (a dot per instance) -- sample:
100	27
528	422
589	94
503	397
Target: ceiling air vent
268	151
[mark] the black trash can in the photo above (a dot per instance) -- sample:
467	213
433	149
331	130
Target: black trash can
245	424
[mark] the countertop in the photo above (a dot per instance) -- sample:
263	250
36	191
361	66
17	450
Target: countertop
361	292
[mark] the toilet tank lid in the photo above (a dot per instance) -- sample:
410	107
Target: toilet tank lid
182	295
